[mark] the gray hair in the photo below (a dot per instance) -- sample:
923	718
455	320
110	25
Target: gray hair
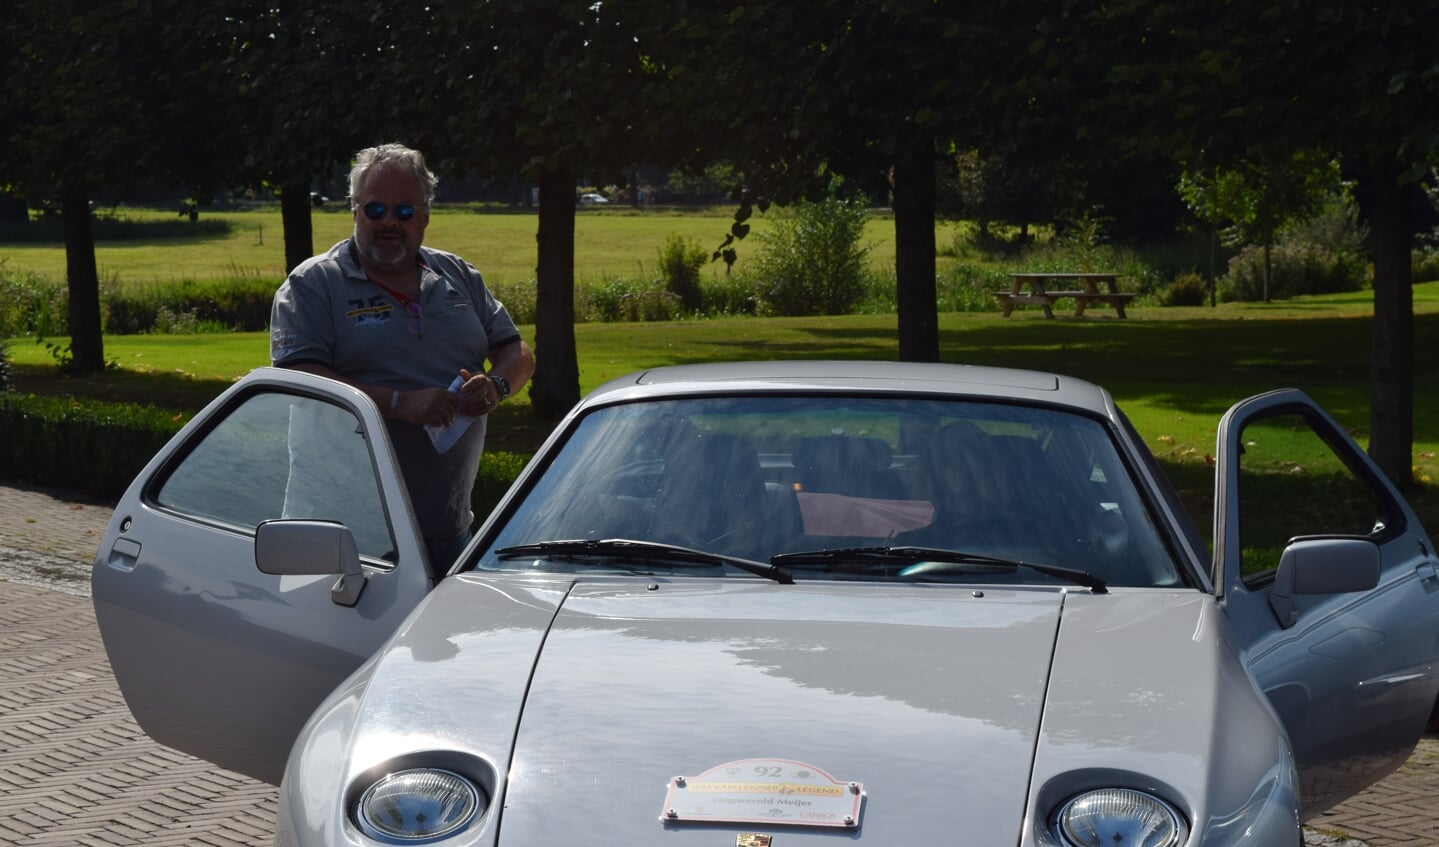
392	154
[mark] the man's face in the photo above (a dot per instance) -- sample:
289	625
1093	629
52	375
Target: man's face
388	242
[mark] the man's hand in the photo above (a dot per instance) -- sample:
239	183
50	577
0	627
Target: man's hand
478	395
426	407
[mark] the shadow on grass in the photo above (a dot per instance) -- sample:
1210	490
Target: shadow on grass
1269	353
51	231
180	392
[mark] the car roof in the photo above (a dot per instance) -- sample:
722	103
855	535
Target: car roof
932	379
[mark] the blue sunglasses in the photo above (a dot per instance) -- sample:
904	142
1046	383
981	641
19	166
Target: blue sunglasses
375	211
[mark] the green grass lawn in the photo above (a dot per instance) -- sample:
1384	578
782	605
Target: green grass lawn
609	243
1174	371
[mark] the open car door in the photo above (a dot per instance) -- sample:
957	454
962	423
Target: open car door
215	656
1330	582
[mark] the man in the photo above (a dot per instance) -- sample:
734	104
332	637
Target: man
412	327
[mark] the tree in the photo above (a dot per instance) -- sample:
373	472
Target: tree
1254	200
310	84
1216	197
1215	87
545	88
880	92
989	190
91	99
871	91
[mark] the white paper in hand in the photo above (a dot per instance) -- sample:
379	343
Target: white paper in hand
444	437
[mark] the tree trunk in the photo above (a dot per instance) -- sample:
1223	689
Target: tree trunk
1213	261
299	228
1267	266
555	388
1391	416
87	348
914	251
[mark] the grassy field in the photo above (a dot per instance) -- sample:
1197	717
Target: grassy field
1174	371
609	243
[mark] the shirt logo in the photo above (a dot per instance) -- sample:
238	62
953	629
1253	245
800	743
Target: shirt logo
283	342
369	314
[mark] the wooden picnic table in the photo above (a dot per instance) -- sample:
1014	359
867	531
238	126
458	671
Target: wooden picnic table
1039	294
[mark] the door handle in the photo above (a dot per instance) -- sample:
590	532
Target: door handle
124	553
1428	576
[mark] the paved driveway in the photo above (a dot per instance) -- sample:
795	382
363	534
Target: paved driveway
74	767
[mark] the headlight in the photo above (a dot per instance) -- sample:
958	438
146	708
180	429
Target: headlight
1119	817
417	806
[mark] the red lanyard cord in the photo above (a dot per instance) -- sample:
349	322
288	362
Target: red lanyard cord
416	313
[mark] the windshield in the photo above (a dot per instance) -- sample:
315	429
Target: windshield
757	477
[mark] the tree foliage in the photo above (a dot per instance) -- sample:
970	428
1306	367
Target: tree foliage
545	88
1251	201
241	92
1215	85
100	97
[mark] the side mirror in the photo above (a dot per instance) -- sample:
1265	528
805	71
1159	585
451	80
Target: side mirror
1316	565
309	547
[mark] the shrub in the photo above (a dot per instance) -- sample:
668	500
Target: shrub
1295	270
498	471
240	302
95	447
4	367
811	261
32	305
168	322
625	299
680	262
1083	248
970	288
1319	254
959	288
518	298
1425	264
1335	228
1084	241
729	294
881	294
1187	289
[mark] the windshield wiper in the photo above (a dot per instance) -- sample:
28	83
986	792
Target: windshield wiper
935	559
624	548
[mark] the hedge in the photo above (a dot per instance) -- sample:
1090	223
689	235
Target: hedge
98	448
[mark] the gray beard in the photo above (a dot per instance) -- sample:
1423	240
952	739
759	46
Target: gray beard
385	257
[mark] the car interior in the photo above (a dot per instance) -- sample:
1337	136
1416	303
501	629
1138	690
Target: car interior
1034	486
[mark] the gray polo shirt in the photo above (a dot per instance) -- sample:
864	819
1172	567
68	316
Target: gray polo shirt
329	312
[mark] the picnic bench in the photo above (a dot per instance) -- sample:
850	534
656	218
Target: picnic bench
1040	295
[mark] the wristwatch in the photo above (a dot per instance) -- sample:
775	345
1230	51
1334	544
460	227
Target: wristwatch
502	385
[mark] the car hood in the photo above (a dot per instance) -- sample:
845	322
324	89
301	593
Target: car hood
586	699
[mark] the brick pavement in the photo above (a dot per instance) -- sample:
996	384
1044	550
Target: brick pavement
75	769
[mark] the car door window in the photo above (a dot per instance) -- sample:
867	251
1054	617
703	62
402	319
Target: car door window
1292	483
282	456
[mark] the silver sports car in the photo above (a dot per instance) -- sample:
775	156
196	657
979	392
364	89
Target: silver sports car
789	603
